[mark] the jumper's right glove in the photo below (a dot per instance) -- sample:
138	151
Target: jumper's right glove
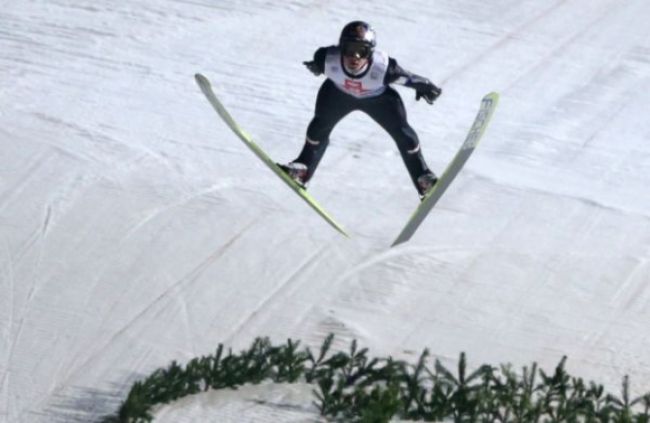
313	67
427	91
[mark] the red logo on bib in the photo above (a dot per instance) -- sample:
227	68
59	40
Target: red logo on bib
354	86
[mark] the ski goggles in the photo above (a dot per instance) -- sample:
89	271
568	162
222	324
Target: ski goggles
357	50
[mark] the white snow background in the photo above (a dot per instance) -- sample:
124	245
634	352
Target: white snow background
136	229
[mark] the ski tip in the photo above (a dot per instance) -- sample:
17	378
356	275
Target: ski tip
494	96
201	79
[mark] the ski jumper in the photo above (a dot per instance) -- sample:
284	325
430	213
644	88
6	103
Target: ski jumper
370	93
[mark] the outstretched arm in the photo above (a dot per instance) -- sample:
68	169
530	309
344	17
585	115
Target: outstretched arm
422	86
317	64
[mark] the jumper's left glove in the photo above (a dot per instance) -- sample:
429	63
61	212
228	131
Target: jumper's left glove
428	92
313	67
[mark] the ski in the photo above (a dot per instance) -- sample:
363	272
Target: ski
206	88
488	104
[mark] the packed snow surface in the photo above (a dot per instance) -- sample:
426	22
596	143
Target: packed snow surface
136	229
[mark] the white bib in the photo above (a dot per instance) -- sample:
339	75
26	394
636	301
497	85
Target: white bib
371	84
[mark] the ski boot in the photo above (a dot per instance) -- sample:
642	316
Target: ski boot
296	171
426	182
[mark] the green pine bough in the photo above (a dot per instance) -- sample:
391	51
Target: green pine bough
351	386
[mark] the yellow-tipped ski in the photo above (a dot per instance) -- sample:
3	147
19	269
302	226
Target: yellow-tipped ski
483	117
205	86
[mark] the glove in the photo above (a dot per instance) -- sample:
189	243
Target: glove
313	67
428	92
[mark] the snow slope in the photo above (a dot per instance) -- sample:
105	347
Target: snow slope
135	229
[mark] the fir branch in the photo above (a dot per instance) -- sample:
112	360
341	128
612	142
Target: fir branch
351	386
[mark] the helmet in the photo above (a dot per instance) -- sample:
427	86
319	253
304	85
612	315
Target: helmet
357	39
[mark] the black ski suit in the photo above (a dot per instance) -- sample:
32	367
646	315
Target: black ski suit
387	109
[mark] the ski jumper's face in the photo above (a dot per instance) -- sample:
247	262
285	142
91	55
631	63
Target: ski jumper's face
355	55
354	63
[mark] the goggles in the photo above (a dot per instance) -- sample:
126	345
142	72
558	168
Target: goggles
357	50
